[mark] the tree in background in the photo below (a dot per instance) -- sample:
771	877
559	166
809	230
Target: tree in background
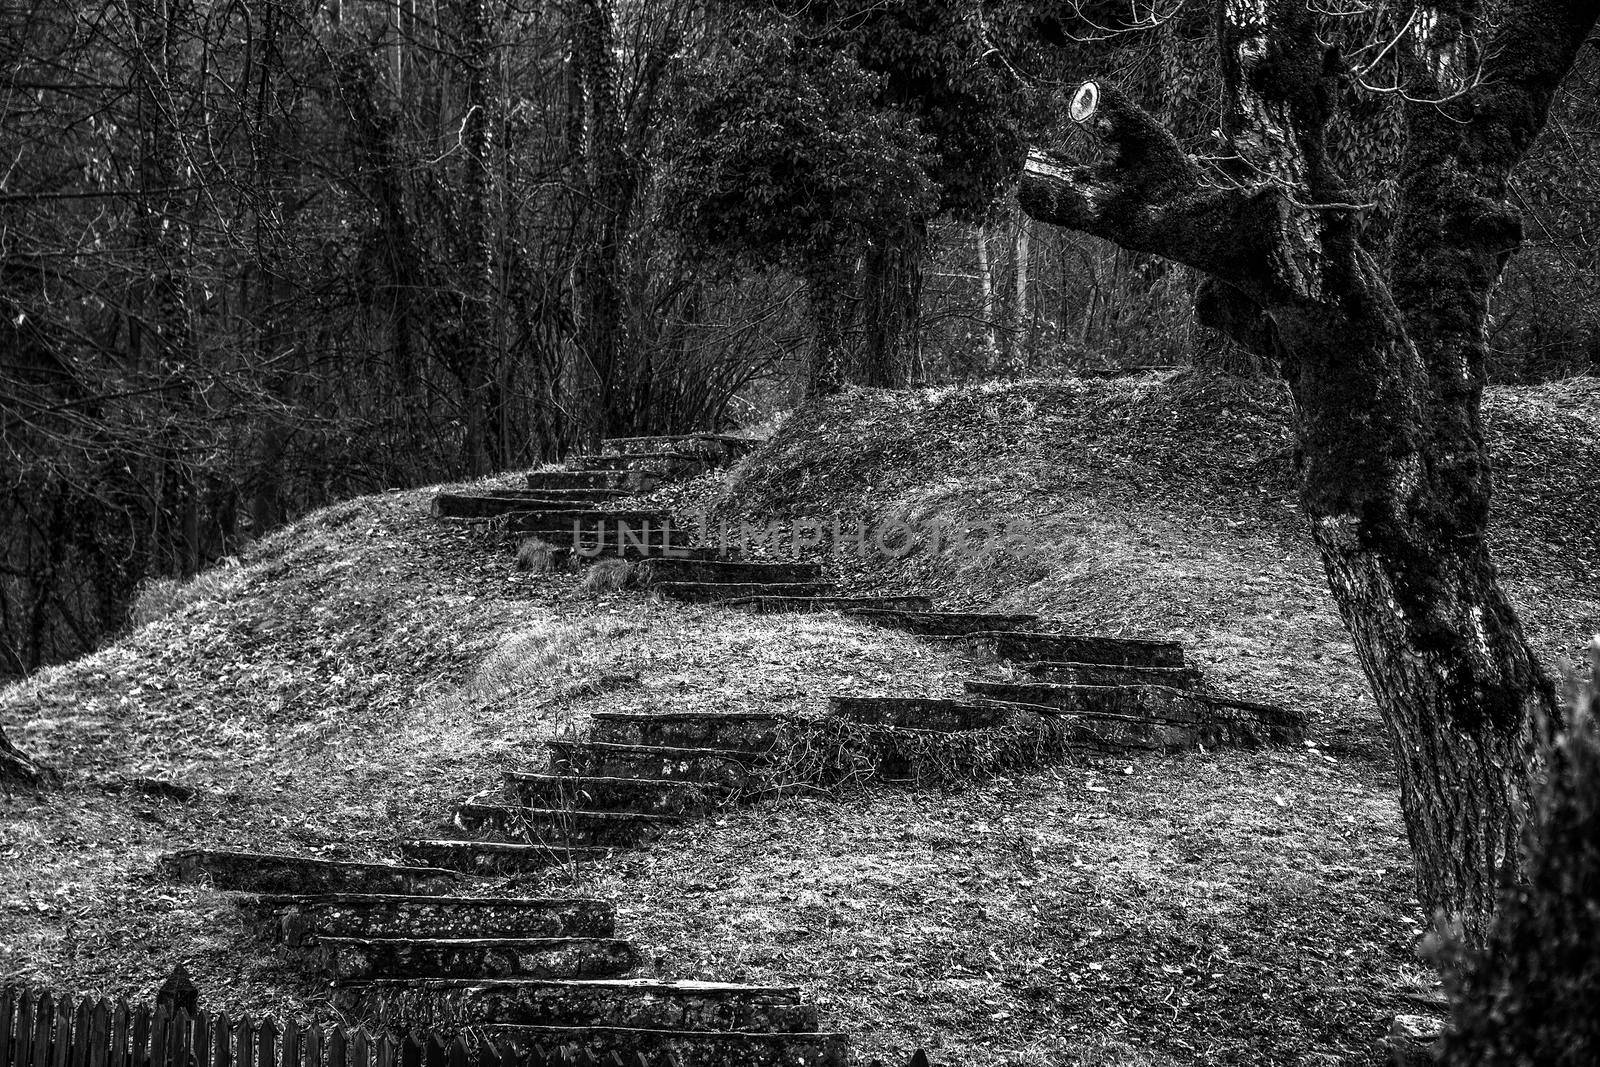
1357	235
780	157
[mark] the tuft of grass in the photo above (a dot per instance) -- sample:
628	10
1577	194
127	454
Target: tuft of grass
606	576
537	556
160	598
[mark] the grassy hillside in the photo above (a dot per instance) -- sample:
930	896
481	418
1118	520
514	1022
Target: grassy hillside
358	672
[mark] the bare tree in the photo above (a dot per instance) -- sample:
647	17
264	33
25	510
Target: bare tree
1372	281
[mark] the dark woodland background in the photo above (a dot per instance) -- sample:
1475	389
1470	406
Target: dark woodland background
260	255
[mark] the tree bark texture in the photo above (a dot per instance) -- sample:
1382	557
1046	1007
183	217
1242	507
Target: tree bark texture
892	296
1385	359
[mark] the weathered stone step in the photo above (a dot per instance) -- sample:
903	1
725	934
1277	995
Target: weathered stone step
945	623
773	605
496	857
631	481
673	464
673	1048
1064	673
555	826
717	592
487	503
344	959
262	872
659	797
630	1002
1080	648
292	918
942	714
1179	718
571	518
746	731
690	570
722	768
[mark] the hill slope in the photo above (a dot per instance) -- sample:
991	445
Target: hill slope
358	672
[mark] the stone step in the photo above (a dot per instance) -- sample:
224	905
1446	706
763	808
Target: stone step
720	768
262	872
1170	718
774	605
718	592
945	623
630	1002
564	553
672	463
690	570
344	959
585	519
1080	648
672	1048
496	857
292	918
1064	673
629	481
942	714
568	791
746	731
555	826
487	503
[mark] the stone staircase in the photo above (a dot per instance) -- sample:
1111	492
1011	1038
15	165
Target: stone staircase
428	944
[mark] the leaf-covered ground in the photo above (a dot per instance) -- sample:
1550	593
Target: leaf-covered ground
362	669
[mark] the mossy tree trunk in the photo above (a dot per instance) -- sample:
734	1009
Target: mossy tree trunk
1385	359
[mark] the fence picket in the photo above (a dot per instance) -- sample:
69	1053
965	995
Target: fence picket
119	1035
44	1013
336	1048
266	1042
99	1035
433	1052
241	1043
314	1047
199	1041
360	1048
383	1055
8	1031
289	1044
410	1052
221	1029
139	1051
77	1052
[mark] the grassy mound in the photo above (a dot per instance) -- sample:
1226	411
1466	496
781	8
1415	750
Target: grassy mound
357	673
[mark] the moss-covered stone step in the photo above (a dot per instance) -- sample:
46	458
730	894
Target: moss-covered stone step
571	518
345	959
717	592
1079	648
925	713
293	918
641	540
1065	673
673	1048
671	463
496	857
556	826
655	571
1178	718
588	792
631	481
745	731
263	872
776	605
631	1002
487	503
721	768
945	623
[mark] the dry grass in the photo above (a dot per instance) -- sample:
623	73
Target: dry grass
159	598
371	666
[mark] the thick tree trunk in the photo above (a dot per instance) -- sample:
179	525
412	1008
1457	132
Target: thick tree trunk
892	295
1386	370
830	312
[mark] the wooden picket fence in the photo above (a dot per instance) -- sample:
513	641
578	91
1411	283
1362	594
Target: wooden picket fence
41	1030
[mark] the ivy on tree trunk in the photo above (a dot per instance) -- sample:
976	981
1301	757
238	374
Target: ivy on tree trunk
1384	355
